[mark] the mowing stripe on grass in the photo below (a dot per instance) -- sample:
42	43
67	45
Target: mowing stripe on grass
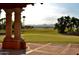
37	48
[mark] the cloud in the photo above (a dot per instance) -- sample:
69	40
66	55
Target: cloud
37	14
47	13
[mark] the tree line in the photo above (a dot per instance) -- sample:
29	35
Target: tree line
3	24
67	24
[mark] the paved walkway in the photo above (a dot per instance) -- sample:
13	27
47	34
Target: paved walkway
53	49
44	49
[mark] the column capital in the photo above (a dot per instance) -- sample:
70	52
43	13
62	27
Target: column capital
8	11
18	10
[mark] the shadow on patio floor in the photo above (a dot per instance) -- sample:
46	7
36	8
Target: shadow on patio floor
12	52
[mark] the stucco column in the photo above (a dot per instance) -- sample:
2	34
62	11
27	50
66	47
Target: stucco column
8	23
8	40
17	23
17	29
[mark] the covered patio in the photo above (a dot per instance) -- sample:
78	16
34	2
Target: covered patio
15	42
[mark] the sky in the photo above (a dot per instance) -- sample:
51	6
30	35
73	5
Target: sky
38	1
47	13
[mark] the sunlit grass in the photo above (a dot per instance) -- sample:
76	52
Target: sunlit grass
1	38
48	36
44	35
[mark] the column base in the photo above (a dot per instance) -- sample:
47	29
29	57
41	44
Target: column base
10	43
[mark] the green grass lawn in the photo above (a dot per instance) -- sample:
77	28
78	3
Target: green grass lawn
48	36
44	35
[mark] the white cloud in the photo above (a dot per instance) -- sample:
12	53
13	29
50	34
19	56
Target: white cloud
37	14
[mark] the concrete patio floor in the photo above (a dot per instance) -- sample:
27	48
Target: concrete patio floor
53	49
44	49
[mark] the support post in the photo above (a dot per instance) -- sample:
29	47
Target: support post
17	28
8	37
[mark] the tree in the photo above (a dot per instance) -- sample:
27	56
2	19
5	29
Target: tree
57	27
61	25
75	23
67	24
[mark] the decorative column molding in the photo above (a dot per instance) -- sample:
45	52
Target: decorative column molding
17	42
17	23
8	22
